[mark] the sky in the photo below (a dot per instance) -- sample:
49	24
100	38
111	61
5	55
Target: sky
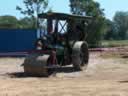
8	7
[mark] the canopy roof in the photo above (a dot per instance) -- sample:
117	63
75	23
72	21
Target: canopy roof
62	16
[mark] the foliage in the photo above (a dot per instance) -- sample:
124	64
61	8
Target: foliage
11	22
33	8
117	29
110	30
121	24
8	22
114	43
26	23
90	8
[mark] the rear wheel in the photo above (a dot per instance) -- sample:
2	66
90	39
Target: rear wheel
80	55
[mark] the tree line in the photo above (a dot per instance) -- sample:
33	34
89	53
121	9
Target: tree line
99	29
117	29
11	22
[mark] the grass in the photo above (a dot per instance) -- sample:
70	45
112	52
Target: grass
115	43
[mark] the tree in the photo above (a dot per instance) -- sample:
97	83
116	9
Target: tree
33	8
11	22
90	8
8	21
26	23
86	7
110	32
121	24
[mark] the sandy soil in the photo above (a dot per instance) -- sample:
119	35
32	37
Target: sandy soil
103	77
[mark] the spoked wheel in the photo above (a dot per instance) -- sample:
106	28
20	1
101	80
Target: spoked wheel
80	55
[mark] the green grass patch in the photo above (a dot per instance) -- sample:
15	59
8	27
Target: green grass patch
114	43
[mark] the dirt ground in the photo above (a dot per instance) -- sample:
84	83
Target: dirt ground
103	77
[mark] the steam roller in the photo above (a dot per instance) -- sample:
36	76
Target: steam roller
62	43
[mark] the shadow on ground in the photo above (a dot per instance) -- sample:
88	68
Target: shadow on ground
51	72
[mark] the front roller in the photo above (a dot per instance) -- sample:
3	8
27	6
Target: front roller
80	55
35	64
